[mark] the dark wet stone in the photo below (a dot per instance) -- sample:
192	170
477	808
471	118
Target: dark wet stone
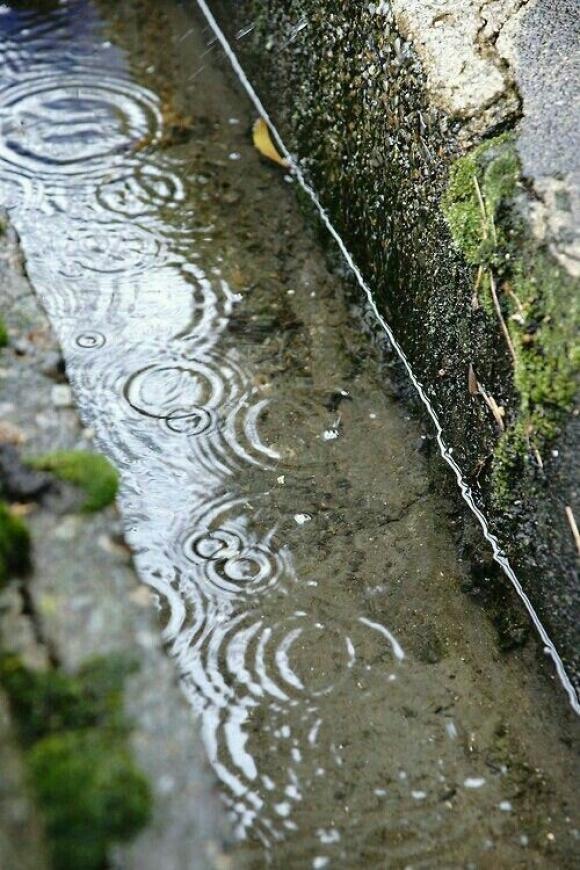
18	482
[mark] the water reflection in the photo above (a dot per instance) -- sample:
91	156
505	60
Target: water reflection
292	681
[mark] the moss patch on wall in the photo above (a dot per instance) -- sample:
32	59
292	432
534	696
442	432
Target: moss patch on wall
3	333
89	471
80	766
538	300
14	545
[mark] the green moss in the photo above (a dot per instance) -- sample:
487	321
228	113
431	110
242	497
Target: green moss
493	168
80	767
3	333
92	794
14	545
539	301
46	702
90	471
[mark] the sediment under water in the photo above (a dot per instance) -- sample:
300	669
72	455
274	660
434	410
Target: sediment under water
353	703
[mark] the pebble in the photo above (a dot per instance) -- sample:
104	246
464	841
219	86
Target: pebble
61	395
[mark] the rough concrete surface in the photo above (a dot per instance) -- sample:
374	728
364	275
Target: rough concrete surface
456	43
84	600
540	44
385	104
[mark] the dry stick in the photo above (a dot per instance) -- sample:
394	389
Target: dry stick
574	527
500	316
519	306
493	407
475	295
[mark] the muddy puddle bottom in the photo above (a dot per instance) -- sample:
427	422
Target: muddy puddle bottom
354	704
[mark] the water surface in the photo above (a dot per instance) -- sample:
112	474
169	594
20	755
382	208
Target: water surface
353	702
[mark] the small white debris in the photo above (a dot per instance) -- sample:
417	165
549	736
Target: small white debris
281	480
233	121
320	861
372	416
474	782
419	795
505	806
61	395
235	155
451	730
329	835
330	435
300	519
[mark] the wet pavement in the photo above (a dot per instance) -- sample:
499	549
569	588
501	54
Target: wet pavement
354	703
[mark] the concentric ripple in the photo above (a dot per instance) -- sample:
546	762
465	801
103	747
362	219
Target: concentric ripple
141	192
105	248
74	126
244	668
232	555
169	390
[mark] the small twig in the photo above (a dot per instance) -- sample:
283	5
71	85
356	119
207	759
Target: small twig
500	316
475	387
574	527
519	306
475	294
536	453
493	407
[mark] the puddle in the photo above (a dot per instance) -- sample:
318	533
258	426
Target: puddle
353	702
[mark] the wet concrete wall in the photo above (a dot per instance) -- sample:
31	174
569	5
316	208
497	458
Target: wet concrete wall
440	139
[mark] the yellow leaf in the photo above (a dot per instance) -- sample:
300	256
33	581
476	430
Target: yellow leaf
263	143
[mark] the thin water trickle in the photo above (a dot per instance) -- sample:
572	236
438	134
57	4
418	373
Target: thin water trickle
272	493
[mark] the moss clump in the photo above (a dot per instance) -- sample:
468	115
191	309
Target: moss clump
14	545
3	333
46	702
90	471
75	736
538	300
478	184
91	793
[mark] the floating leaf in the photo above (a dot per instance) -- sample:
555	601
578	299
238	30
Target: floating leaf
263	143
